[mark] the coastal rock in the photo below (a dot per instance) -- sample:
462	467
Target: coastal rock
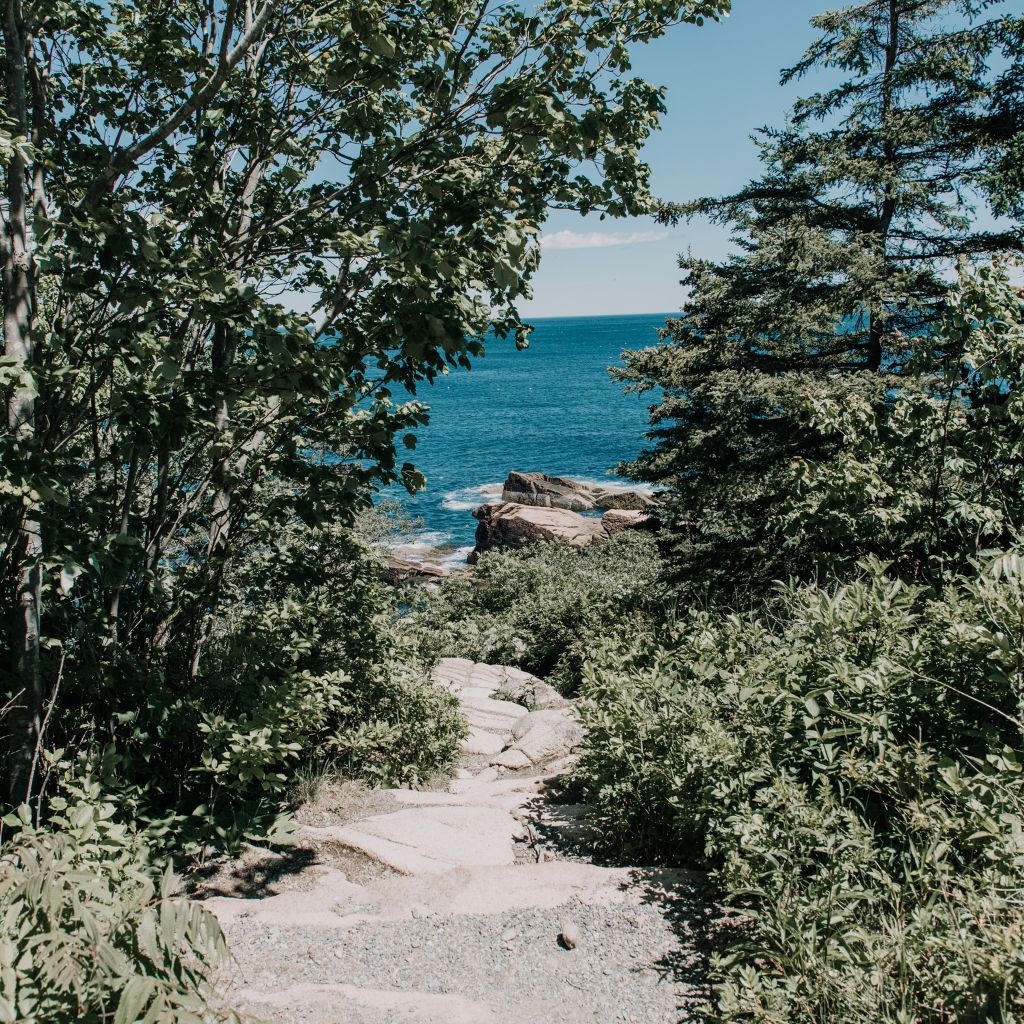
547	492
617	520
402	570
575	495
613	498
511	525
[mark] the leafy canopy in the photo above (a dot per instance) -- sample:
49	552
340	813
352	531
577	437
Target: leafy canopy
244	231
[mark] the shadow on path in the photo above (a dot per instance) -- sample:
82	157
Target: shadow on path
559	826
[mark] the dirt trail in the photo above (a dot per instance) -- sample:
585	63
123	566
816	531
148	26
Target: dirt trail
448	907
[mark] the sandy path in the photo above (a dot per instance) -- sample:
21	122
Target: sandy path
447	907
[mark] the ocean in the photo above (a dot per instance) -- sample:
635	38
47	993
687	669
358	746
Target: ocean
552	408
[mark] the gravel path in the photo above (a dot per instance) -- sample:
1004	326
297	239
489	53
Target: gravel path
449	907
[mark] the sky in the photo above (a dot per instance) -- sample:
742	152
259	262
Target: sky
723	84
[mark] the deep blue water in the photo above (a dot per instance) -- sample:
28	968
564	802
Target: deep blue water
552	408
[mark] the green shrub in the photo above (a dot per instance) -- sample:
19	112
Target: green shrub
847	769
307	664
92	932
311	664
542	608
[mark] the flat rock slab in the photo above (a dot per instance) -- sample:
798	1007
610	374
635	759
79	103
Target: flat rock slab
527	886
476	796
462	673
489	714
329	904
505	709
432	839
513	760
524	786
482	741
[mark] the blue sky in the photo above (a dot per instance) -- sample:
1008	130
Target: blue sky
723	83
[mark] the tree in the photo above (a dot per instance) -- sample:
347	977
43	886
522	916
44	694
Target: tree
181	176
1002	126
937	478
844	244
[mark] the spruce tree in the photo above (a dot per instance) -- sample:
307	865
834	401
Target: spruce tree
1002	124
844	246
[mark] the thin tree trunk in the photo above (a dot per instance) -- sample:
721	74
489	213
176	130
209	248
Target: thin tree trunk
114	608
887	212
19	348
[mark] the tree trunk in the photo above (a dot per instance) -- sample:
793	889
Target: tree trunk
887	211
19	349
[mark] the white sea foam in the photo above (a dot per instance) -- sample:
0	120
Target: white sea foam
427	541
465	499
440	556
455	559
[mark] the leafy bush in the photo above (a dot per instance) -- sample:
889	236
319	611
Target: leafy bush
849	772
313	654
542	608
306	665
92	932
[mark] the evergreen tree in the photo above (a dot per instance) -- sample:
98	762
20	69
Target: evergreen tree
844	242
1003	125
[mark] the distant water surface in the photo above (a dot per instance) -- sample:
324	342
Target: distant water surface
552	408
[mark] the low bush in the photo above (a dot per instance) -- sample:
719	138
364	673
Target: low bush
312	656
848	769
306	665
92	932
542	608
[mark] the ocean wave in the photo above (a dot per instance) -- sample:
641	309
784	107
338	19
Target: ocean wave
441	555
465	499
426	541
455	559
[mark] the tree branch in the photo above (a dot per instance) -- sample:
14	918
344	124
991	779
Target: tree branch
126	159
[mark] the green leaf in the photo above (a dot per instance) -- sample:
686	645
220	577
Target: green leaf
382	45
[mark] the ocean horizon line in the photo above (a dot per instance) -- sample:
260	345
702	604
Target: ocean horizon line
600	316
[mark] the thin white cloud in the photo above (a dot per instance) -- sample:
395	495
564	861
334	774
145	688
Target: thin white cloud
597	240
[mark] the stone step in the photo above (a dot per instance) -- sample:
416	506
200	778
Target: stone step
483	741
332	902
430	839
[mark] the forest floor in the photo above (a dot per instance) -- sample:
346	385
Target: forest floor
453	906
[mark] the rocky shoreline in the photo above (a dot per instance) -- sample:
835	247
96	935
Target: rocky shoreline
571	495
538	507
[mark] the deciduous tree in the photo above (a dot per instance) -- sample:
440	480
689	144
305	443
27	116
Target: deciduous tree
235	232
